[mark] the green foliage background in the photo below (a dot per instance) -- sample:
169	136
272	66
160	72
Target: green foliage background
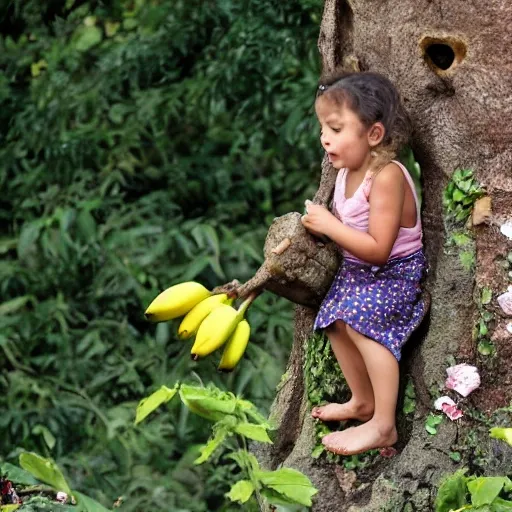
143	143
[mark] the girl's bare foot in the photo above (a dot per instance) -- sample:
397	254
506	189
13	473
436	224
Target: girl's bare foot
341	412
360	439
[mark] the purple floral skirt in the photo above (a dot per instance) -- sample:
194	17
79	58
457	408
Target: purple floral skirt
383	303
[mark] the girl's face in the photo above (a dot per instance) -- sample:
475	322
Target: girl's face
343	136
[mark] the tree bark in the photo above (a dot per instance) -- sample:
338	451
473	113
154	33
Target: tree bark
452	64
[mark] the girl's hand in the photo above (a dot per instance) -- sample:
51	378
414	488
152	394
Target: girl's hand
318	219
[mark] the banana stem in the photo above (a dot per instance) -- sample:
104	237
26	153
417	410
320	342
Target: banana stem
247	302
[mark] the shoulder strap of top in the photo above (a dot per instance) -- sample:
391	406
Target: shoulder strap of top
413	188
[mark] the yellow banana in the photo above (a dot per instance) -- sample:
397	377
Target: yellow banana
235	347
215	330
176	301
198	313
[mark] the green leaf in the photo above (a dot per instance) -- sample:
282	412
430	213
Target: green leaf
87	504
44	470
487	316
452	492
432	422
484	490
505	434
256	432
14	305
276	498
289	482
241	491
486	296
458	195
28	237
455	456
17	475
87	37
208	449
9	508
501	505
465	185
48	437
485	348
148	405
483	330
462	214
319	449
250	409
409	405
210	403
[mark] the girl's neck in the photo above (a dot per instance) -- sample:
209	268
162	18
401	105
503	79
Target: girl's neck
364	167
372	164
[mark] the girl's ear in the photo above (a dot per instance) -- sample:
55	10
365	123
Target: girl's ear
376	134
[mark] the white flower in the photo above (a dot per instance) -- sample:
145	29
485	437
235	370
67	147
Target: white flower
62	497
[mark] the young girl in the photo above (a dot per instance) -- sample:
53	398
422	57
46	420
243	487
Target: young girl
375	301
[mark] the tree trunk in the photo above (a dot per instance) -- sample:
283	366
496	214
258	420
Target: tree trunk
452	63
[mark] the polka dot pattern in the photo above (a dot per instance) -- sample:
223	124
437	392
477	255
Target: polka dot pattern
383	303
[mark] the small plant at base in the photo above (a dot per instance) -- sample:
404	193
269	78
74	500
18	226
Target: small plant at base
236	418
481	329
409	399
433	420
460	195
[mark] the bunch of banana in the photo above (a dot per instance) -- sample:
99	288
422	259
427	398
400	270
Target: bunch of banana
211	317
224	325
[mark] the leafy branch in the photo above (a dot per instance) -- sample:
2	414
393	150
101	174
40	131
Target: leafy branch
238	418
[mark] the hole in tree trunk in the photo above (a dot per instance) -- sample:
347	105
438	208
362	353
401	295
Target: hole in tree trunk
442	54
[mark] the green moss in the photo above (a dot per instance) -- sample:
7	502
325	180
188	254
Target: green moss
325	383
324	380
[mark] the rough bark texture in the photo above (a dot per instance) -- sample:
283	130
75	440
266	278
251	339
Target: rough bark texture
461	107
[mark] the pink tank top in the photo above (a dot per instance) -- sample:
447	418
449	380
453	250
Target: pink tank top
355	212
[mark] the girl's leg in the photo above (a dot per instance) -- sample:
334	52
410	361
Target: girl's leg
380	431
361	404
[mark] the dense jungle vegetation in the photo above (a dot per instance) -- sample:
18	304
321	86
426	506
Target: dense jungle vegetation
144	143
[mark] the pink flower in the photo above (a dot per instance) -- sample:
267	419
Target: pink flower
463	378
452	412
448	406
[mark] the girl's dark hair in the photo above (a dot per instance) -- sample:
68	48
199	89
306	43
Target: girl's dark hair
373	98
